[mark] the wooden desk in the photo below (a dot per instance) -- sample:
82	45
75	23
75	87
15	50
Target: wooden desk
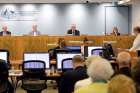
17	45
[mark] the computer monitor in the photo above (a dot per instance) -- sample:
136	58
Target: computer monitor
38	56
4	55
88	50
74	49
62	56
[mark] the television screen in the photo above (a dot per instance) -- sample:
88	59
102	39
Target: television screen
38	56
67	64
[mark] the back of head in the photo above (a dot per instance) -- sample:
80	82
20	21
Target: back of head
121	84
124	59
100	69
78	60
136	29
91	59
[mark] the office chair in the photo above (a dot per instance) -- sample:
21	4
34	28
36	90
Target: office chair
34	77
66	64
5	85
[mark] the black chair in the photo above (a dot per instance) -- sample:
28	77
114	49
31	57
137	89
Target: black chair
66	64
5	85
34	76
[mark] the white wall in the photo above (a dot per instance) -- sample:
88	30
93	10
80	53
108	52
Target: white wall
136	15
54	19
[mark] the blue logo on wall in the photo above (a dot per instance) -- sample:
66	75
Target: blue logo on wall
8	13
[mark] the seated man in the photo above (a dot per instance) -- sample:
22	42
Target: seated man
70	77
5	32
34	32
73	31
124	60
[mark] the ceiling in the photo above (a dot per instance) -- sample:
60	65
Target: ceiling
60	1
52	1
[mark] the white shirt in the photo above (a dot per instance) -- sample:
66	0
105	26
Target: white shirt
82	83
136	44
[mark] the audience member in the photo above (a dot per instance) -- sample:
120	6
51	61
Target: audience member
136	43
124	59
70	77
5	85
5	31
115	31
34	32
121	84
73	30
86	81
136	75
100	72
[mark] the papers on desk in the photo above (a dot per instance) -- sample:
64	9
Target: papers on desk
15	73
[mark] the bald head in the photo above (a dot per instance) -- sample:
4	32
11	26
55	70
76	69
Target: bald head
124	59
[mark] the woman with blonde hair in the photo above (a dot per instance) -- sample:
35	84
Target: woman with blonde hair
121	84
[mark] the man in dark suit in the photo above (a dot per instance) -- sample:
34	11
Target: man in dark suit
34	31
73	31
5	32
70	77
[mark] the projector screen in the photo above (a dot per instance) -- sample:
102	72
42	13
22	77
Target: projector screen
38	56
60	57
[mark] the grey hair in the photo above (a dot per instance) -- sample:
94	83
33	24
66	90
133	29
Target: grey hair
124	57
101	69
91	59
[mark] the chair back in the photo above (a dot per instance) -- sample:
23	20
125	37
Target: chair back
67	64
33	69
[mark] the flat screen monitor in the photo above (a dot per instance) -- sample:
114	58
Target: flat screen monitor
38	56
4	55
88	50
63	56
74	49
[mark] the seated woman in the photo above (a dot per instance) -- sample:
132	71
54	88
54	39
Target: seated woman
88	81
115	32
60	45
100	72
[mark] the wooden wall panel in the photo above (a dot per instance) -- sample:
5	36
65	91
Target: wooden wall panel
17	45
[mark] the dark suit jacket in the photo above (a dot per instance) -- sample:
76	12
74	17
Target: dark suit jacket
76	33
126	71
6	33
69	78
